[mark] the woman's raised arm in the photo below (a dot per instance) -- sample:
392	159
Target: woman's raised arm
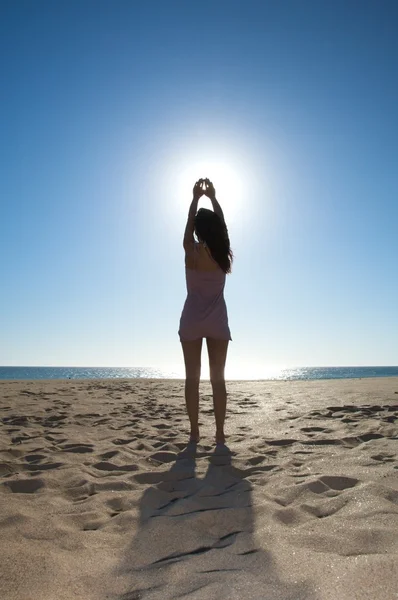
189	229
211	193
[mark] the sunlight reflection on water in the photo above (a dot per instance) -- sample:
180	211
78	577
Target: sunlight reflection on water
177	372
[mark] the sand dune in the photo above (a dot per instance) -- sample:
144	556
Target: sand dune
100	497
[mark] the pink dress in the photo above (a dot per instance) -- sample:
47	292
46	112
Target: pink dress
205	312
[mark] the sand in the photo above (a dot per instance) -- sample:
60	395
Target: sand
100	498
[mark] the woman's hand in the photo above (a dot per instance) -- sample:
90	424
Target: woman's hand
198	190
209	191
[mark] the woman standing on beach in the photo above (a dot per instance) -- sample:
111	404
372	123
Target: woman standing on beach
207	261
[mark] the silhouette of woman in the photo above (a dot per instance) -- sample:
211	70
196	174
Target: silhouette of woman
207	261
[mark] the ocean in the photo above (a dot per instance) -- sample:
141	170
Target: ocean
303	373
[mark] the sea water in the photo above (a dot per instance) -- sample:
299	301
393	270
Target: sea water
303	373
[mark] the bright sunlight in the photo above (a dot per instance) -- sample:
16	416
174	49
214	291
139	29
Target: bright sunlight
226	181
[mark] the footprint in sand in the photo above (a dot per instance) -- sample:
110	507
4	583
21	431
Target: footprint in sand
322	442
118	504
338	482
107	466
25	486
19	439
42	466
256	460
255	470
383	457
286	442
6	469
81	491
163	457
16	420
101	422
314	429
109	454
122	441
78	448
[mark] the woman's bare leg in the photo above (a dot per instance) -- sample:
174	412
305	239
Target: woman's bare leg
192	354
217	350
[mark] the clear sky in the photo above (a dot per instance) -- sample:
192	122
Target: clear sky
111	110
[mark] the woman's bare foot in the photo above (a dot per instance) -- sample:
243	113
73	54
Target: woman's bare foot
220	437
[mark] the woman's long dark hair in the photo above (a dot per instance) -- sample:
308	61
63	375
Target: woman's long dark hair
213	231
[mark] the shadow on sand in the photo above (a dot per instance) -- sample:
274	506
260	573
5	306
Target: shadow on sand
195	537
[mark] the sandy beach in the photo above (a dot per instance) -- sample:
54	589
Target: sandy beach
101	499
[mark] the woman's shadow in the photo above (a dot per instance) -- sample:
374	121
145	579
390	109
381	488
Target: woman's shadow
196	536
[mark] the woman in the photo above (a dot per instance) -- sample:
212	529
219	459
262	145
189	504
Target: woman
205	313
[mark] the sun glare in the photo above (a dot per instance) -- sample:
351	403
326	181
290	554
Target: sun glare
226	161
226	180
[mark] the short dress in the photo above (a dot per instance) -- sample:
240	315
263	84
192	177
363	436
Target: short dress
205	313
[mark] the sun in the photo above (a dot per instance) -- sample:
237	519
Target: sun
225	178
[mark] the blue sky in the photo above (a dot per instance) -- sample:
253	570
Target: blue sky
109	108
